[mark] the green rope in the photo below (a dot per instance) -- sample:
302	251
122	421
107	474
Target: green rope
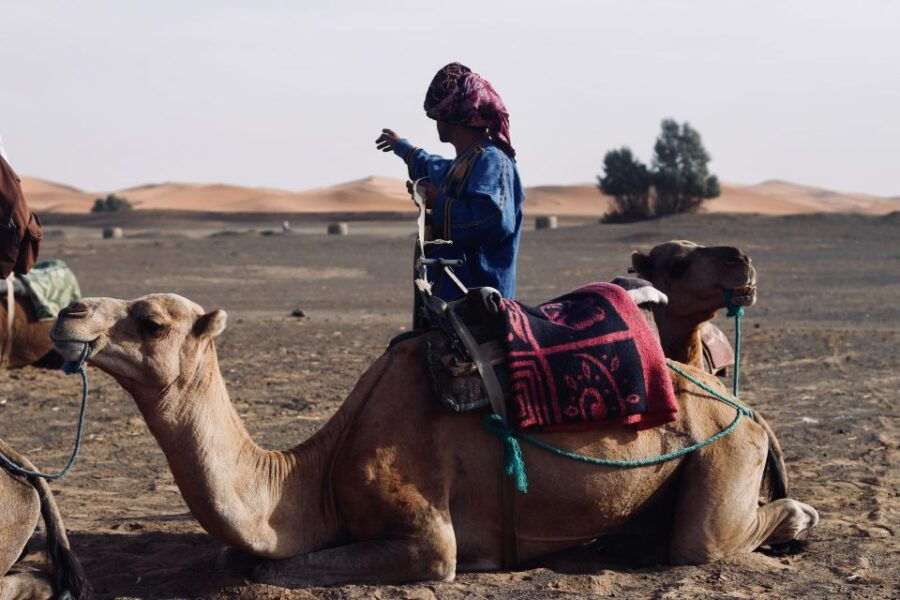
69	368
515	463
736	312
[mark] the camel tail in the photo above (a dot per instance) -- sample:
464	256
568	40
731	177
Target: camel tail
69	580
775	481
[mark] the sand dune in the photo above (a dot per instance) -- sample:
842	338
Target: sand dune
385	194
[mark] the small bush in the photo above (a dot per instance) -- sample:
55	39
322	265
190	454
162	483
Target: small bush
111	203
678	180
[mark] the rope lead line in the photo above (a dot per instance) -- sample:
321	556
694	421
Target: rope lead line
736	312
515	463
68	368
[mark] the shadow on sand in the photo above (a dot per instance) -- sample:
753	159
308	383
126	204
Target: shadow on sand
151	564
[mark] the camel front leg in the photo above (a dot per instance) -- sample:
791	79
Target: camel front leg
718	513
383	561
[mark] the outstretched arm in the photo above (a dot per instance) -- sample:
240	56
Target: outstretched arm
420	163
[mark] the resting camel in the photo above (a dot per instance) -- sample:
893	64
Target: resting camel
695	279
393	488
31	338
22	501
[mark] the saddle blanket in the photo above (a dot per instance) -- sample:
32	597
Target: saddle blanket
51	286
585	360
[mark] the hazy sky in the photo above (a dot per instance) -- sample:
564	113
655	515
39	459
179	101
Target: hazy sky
108	94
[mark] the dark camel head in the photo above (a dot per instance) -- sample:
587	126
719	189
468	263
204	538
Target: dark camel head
697	278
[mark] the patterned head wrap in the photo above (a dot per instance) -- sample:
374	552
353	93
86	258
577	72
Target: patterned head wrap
460	97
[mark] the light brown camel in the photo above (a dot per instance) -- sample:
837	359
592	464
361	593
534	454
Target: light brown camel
22	501
695	278
395	489
31	341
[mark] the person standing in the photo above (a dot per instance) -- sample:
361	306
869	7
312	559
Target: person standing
476	198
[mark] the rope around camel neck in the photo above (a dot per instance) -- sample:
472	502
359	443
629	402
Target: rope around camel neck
69	368
515	462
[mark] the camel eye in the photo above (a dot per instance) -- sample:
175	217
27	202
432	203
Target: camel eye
150	326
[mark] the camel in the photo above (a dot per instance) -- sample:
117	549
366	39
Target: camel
393	488
23	500
31	342
695	279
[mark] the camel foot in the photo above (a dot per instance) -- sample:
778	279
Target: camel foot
237	562
25	586
795	518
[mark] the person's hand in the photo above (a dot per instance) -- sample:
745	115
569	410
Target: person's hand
387	140
427	189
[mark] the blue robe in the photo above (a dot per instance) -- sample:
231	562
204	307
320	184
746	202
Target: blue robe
479	208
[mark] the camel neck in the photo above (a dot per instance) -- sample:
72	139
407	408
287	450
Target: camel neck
268	503
680	338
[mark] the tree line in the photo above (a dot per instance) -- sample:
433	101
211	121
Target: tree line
677	180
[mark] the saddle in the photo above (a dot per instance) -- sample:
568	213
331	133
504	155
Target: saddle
456	378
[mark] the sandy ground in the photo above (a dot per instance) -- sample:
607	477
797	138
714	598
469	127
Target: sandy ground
821	365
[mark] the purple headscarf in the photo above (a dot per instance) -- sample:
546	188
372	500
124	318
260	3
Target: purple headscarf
460	97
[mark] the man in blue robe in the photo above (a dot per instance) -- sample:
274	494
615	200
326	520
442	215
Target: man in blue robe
475	199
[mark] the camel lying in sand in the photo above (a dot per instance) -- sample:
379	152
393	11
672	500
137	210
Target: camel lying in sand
31	338
395	489
695	279
21	502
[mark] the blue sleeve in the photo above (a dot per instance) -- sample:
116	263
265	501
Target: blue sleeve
485	211
421	164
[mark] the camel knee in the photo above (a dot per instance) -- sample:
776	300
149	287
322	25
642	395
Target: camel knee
791	519
437	564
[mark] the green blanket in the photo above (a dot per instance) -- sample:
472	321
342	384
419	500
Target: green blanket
51	286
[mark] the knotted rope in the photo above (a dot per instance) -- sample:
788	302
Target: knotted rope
68	368
515	463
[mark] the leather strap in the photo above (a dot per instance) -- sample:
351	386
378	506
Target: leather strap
491	383
10	320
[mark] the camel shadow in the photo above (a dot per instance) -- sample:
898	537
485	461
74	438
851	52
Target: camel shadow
152	564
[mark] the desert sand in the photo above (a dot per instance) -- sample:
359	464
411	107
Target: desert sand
820	363
385	194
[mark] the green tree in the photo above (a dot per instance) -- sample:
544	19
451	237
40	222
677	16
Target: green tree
111	203
627	180
681	178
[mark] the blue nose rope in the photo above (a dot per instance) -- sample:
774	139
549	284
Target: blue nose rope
68	368
736	312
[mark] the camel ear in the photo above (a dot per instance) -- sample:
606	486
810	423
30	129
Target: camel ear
211	324
640	264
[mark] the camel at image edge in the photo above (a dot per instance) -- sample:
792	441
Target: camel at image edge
411	491
31	341
23	501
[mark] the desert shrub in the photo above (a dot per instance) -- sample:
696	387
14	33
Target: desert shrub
627	180
681	179
677	181
111	203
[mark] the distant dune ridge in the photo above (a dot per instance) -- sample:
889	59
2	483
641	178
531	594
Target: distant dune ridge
385	194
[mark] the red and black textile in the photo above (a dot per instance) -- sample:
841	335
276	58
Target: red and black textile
585	360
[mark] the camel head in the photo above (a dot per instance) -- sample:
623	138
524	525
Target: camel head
146	344
696	278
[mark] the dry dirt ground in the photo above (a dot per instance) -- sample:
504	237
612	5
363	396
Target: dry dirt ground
821	364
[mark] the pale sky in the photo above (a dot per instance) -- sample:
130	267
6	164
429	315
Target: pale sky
104	94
